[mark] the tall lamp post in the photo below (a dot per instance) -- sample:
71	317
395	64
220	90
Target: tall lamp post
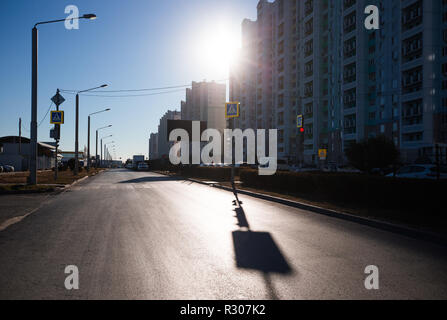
88	137
106	151
76	170
112	149
96	158
34	51
102	148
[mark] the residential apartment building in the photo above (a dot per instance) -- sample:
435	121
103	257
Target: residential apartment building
153	146
317	59
205	101
163	144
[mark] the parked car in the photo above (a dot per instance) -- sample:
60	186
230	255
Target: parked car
129	166
8	169
420	171
142	166
1	169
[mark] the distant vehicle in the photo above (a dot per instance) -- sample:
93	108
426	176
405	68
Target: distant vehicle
1	169
129	166
142	166
136	160
8	169
420	171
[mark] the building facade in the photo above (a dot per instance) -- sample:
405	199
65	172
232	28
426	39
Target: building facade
15	151
205	101
316	58
153	146
163	144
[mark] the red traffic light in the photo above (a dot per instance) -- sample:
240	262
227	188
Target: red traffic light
301	130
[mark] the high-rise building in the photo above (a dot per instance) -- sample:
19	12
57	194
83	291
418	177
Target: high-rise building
153	146
317	59
205	101
163	144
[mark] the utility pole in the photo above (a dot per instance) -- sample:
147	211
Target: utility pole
88	145
76	168
438	169
33	142
100	160
233	156
57	100
20	136
96	153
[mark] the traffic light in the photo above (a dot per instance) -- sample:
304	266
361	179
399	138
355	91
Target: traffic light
300	123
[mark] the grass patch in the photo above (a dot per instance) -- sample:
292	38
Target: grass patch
47	177
20	188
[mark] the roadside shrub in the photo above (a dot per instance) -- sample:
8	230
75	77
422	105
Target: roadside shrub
215	174
71	165
373	191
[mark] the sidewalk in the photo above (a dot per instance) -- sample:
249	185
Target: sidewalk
17	205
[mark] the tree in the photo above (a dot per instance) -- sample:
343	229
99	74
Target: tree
378	152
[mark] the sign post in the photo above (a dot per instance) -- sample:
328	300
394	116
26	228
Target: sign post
232	111
57	118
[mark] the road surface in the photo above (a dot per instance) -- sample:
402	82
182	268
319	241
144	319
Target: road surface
140	235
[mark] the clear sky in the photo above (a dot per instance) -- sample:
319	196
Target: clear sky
133	44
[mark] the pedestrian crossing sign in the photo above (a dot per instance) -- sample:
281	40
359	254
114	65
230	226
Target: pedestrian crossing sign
57	117
322	154
232	110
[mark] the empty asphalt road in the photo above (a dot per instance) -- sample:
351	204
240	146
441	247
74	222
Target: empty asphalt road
135	235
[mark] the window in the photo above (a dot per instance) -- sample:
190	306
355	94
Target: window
349	98
349	73
349	22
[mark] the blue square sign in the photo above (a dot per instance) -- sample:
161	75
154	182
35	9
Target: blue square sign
232	110
57	117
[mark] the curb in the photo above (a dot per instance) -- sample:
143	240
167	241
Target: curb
386	226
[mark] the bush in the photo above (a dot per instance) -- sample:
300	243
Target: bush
373	191
71	165
378	152
215	174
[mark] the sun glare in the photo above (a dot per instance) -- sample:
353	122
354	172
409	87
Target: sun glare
217	48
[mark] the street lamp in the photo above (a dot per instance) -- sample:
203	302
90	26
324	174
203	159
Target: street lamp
76	170
88	137
102	148
96	158
106	152
34	50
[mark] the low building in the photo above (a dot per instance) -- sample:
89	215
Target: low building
15	151
67	155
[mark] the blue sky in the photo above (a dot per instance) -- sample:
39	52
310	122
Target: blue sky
133	44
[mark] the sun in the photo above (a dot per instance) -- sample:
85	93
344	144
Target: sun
217	49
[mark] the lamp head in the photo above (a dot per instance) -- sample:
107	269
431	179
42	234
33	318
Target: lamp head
89	16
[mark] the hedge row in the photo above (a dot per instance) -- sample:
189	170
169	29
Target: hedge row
373	191
214	174
194	171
